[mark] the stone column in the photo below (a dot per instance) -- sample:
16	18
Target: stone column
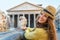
13	20
18	20
28	20
34	21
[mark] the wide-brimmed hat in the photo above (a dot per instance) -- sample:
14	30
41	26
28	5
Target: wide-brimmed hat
50	11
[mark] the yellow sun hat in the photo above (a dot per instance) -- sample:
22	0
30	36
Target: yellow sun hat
50	11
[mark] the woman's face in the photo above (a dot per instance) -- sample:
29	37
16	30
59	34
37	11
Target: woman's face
43	18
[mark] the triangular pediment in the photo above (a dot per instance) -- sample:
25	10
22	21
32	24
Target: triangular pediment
25	6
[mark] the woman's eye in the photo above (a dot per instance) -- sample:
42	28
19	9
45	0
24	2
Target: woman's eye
46	16
41	13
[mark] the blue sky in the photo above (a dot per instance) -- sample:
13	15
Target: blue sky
6	4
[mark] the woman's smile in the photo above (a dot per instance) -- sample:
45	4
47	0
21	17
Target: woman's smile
42	18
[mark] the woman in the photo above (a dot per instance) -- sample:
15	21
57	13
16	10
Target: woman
45	28
22	22
3	23
22	26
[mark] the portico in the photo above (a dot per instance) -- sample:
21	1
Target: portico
30	11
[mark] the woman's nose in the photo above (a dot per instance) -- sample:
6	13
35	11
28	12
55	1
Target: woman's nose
41	16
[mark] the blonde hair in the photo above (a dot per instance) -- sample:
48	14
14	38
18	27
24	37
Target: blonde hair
3	24
24	20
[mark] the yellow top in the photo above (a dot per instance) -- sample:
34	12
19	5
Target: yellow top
36	34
